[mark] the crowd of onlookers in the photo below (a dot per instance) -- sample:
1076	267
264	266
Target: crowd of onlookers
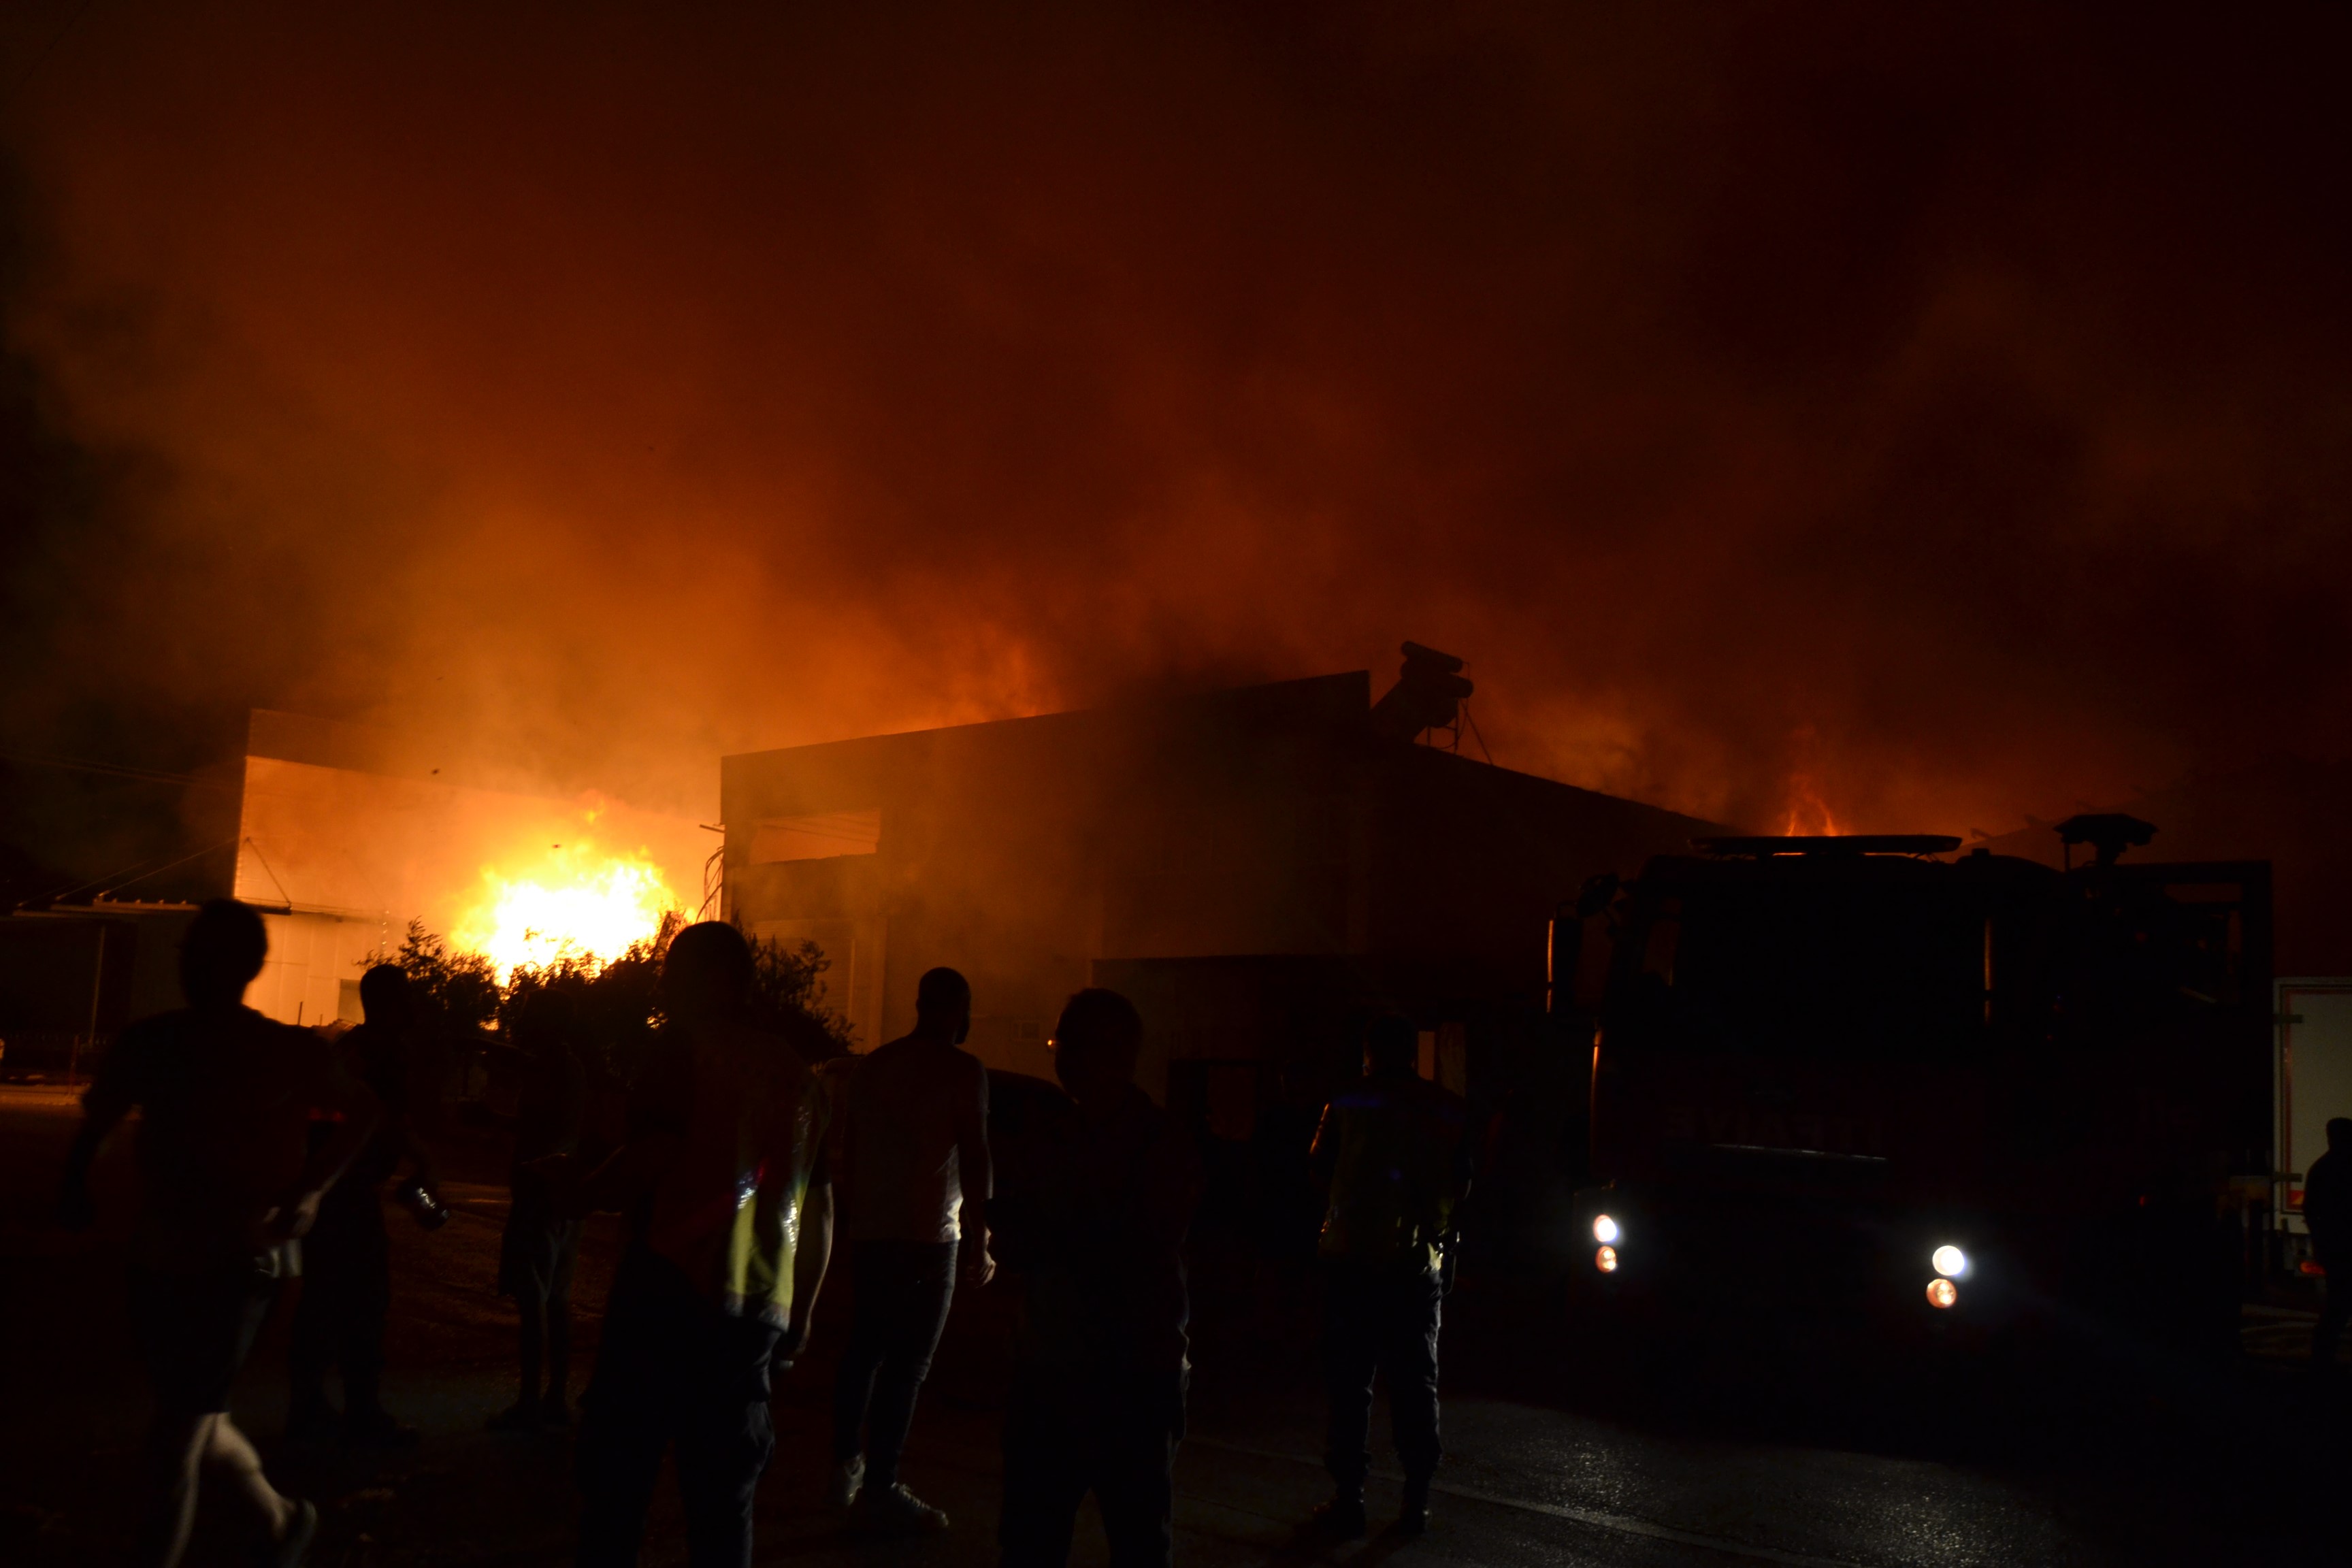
263	1152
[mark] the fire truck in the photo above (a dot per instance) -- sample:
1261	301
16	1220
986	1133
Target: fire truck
1871	1080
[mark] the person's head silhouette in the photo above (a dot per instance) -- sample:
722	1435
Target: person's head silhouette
1392	1046
1096	1045
943	1005
544	1026
706	974
2339	1134
221	954
384	995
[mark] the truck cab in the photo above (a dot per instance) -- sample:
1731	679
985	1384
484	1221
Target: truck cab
1868	1079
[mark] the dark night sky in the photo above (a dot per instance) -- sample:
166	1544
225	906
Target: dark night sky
1944	412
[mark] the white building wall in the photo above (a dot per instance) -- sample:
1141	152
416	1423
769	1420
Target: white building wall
312	974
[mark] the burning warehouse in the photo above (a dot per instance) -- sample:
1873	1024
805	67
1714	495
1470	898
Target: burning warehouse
1256	867
341	834
346	833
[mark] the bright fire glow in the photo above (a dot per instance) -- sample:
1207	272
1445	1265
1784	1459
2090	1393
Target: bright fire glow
578	902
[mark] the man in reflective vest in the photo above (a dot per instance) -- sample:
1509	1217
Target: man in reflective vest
731	1225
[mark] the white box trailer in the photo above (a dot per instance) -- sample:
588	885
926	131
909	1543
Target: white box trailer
2314	1077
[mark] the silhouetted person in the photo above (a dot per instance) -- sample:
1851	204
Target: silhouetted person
2327	1214
1389	1152
918	1173
539	1247
731	1223
229	1178
1093	1227
338	1322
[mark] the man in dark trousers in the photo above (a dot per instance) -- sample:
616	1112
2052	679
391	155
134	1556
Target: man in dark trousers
1090	1219
1391	1153
539	1247
731	1223
917	1158
229	1178
339	1321
2327	1214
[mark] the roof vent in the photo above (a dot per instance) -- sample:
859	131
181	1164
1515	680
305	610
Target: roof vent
1428	695
2108	833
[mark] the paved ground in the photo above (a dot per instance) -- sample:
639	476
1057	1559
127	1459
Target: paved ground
1715	1466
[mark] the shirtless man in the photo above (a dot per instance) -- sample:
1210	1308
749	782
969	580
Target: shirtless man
919	1179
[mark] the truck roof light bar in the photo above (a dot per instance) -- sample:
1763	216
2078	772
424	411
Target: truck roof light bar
1831	844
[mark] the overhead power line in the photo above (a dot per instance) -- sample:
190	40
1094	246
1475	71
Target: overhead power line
115	881
118	771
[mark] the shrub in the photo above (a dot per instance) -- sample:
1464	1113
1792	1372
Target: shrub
618	1002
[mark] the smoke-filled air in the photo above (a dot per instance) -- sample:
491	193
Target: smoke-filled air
1044	744
1821	416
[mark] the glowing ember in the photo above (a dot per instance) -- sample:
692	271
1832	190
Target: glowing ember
578	904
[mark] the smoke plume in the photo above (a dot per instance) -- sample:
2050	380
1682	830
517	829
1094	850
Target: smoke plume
1919	416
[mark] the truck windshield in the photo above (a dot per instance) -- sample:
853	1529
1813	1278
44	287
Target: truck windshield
1784	971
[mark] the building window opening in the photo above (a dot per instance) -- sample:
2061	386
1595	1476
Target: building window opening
822	835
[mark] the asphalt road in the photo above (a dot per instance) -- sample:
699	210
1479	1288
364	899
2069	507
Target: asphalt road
1554	1456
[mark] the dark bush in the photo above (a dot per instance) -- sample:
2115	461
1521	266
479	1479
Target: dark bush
618	1004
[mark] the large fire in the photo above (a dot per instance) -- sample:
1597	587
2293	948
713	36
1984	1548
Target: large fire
578	904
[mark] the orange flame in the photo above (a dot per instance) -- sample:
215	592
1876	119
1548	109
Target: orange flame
575	902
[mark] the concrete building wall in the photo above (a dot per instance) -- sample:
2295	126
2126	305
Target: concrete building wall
982	857
346	834
352	842
1269	823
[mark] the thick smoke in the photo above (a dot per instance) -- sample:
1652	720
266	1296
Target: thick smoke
1924	417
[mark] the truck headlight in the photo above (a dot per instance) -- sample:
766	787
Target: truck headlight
1949	1262
1604	1230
